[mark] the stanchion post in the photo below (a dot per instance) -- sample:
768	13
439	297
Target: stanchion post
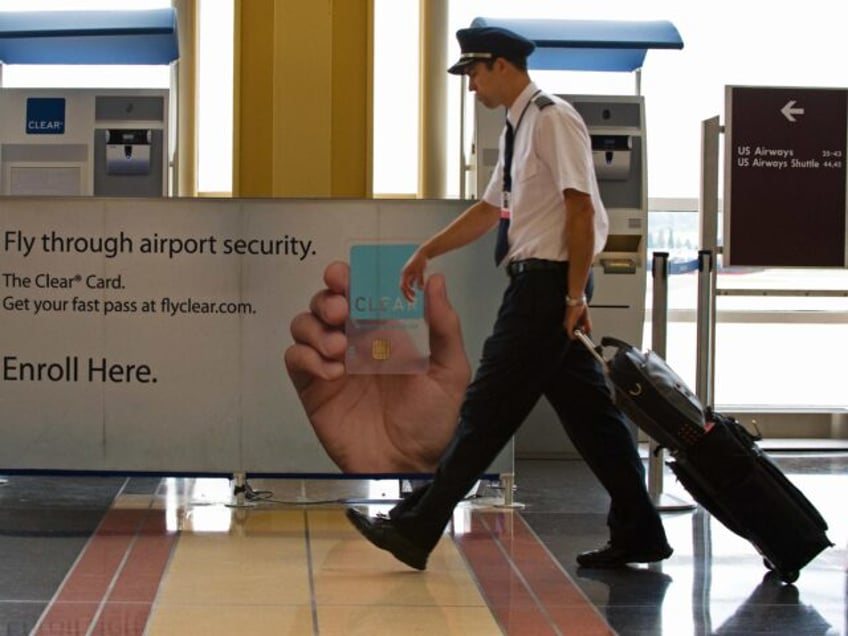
659	319
508	485
705	327
659	336
239	487
711	130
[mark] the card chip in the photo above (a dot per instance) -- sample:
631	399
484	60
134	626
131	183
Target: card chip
381	349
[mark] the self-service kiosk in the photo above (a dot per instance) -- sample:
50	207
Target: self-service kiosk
84	142
617	128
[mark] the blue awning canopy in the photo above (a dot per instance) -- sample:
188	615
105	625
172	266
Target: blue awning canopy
589	45
89	37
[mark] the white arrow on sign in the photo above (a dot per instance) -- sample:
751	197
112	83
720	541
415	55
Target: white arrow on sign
789	110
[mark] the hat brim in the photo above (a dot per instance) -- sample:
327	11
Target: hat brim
460	67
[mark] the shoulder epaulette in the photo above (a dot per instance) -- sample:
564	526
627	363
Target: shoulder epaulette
542	101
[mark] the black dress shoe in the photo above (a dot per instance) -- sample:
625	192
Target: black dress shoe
611	556
381	532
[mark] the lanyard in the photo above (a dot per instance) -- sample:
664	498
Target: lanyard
509	141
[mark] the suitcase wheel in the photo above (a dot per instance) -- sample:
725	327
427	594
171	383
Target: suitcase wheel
787	576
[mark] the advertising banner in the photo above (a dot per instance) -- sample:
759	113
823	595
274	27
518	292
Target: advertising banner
150	335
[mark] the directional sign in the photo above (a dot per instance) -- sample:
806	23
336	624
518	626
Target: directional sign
785	177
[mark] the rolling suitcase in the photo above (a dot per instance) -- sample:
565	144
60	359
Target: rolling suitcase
717	460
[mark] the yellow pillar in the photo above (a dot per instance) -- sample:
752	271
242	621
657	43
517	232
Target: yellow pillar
185	161
302	91
433	143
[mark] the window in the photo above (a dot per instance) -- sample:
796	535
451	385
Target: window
215	97
774	350
395	98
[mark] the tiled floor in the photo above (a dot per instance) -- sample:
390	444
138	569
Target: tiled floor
178	556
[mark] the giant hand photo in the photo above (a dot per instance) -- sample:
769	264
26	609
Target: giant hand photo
373	424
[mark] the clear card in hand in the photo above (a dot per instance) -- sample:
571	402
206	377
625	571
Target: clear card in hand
386	333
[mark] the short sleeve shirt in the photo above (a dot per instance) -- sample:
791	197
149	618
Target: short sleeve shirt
552	152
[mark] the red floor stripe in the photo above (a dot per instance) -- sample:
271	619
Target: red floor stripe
566	604
525	588
130	600
142	572
511	603
128	607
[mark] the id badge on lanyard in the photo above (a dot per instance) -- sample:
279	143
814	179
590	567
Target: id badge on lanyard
506	205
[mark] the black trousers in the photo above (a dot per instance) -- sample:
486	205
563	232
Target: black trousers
527	356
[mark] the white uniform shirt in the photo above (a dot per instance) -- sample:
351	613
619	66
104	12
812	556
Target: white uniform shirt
552	152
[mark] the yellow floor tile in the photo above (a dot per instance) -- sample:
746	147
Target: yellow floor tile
354	572
405	621
231	619
228	569
133	502
254	578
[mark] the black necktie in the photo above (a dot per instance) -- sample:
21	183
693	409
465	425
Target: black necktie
502	245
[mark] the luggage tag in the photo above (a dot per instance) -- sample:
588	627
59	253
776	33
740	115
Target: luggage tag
386	333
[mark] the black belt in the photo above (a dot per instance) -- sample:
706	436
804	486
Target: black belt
514	268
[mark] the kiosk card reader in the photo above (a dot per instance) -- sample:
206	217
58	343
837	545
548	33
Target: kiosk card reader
612	156
128	151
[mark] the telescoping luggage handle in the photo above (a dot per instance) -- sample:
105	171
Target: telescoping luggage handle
595	350
598	350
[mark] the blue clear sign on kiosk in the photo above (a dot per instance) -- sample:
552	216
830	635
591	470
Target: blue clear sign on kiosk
45	116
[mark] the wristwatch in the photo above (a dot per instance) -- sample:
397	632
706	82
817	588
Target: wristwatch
575	302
